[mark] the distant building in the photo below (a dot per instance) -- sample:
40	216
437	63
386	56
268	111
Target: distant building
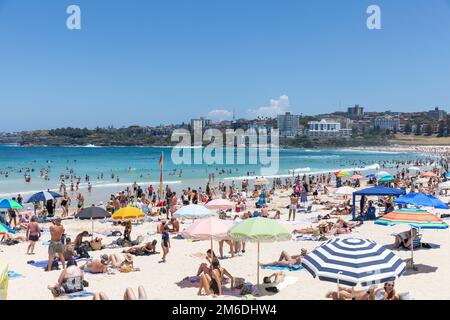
387	123
200	124
327	128
288	125
355	112
438	115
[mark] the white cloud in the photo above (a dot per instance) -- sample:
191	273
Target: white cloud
276	107
220	114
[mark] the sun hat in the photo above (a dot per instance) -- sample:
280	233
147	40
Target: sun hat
129	257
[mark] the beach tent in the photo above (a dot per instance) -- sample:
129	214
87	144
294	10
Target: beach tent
3	280
375	191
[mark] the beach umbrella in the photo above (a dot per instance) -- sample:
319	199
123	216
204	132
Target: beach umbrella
353	262
219	204
418	220
371	176
4	227
93	213
429	174
128	213
386	179
259	230
414	168
9	204
345	190
382	174
356	177
342	174
193	211
208	229
261	182
43	196
422	200
444	185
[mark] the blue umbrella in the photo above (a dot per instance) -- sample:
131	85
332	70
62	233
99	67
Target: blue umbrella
421	199
43	196
371	176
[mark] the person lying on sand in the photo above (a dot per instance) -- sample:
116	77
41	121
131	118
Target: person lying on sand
148	248
213	283
351	294
287	260
270	283
96	266
70	280
128	295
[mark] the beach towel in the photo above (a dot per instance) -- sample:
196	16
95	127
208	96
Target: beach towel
306	237
287	282
14	275
81	294
282	268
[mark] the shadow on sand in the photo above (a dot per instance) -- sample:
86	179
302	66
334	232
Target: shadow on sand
418	269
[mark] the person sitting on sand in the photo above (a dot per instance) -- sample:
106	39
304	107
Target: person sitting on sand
387	292
207	267
70	280
148	248
79	239
403	239
175	224
127	265
128	295
287	260
214	281
69	249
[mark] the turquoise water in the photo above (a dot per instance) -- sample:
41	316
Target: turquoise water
141	164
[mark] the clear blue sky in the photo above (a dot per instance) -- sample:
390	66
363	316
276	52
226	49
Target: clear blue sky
149	62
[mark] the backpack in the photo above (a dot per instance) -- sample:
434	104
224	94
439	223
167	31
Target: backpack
72	285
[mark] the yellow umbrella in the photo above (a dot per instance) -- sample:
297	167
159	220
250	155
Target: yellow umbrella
128	213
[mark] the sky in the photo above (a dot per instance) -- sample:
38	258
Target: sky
150	62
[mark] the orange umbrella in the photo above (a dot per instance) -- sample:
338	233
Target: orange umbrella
429	174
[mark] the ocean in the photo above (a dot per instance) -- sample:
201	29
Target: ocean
141	164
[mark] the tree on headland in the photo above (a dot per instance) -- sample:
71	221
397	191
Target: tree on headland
407	128
418	131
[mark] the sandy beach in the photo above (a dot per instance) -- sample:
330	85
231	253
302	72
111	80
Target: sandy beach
165	281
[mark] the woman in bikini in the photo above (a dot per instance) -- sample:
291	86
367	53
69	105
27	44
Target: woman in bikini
214	281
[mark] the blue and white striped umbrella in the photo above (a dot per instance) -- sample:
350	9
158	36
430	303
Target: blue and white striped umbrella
354	262
43	196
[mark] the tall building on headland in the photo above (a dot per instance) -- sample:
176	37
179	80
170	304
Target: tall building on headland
355	112
199	124
288	125
438	115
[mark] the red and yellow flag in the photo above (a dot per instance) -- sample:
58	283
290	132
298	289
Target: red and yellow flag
161	162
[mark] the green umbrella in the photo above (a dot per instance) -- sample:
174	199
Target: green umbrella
9	204
3	229
259	230
386	179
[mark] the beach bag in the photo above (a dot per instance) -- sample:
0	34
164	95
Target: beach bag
72	285
96	244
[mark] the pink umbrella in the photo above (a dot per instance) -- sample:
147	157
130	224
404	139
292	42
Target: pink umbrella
220	204
208	229
356	177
